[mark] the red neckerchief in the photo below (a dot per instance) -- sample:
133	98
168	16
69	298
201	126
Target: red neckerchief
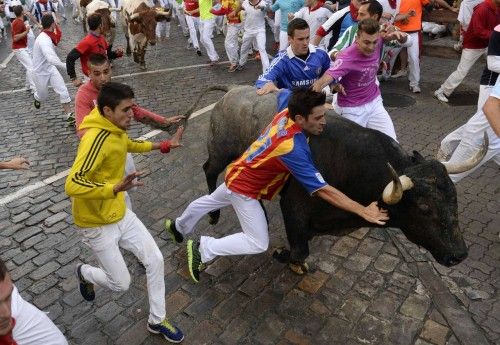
8	339
54	36
392	3
42	1
318	5
354	11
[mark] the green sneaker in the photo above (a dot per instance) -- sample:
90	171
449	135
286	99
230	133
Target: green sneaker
194	260
175	235
70	119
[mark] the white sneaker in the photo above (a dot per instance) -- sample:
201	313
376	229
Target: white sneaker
439	94
415	89
401	73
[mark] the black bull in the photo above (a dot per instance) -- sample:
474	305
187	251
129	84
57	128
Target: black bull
354	160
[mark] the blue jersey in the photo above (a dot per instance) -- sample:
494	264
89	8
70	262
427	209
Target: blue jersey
287	71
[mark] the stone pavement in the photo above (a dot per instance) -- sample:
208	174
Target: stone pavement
371	287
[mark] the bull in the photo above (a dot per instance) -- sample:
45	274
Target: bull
139	25
104	10
363	163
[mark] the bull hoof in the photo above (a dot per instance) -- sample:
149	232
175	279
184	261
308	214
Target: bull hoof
282	255
213	217
128	52
142	67
299	268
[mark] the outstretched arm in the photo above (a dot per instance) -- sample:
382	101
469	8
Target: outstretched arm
154	120
17	163
371	213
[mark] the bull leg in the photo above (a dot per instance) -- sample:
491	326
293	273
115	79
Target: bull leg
84	23
298	235
265	211
212	171
142	64
128	51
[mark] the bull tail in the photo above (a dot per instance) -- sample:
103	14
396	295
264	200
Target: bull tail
224	88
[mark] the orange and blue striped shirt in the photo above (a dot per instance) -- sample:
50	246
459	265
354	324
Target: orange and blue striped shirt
263	169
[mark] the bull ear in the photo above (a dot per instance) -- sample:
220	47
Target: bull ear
417	157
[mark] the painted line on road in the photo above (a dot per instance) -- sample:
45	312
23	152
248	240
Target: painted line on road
40	184
129	75
6	60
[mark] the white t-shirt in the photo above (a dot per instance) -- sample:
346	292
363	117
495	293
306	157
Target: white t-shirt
254	16
388	9
314	18
33	326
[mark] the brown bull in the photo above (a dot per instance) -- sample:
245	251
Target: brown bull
140	27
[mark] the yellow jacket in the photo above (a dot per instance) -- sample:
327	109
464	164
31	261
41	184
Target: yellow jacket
98	166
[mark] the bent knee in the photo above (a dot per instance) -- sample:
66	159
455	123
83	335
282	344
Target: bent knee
261	244
121	284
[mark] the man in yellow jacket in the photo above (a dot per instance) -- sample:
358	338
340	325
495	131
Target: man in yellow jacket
96	185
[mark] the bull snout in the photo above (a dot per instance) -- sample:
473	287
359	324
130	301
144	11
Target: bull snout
454	259
152	42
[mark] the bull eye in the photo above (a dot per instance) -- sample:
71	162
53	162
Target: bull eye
424	208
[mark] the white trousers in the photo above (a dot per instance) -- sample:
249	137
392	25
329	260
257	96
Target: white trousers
414	60
112	273
129	168
163	29
54	79
193	24
260	39
254	238
179	13
433	28
231	42
466	140
370	115
206	30
283	40
33	326
467	60
277	29
23	56
274	29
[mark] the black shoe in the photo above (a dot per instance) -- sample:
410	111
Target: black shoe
194	260
198	52
37	104
175	235
86	288
239	67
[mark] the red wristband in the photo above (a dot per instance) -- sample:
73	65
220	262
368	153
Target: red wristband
165	146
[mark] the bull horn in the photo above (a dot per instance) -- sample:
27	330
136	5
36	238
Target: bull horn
163	13
457	168
134	16
115	9
393	192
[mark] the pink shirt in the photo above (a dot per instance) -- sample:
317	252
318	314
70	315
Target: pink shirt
86	100
356	72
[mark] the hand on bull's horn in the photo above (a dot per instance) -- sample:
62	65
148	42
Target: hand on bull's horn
375	214
173	119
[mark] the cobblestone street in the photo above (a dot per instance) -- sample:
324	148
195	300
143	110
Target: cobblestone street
371	287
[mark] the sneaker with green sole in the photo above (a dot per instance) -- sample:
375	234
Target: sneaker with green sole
175	235
172	333
194	260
